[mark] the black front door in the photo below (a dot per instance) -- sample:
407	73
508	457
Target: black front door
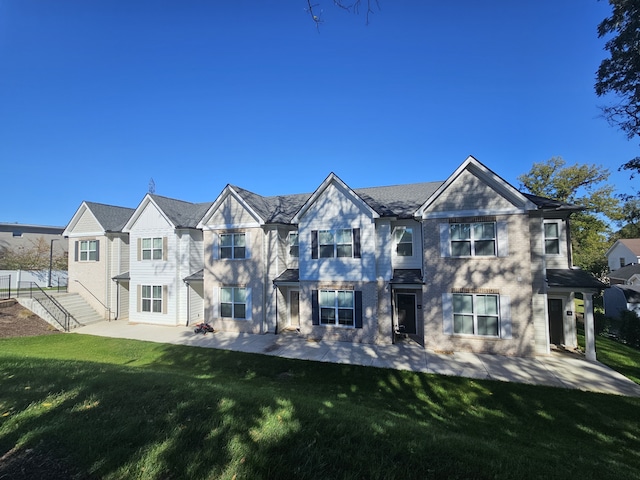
406	303
556	321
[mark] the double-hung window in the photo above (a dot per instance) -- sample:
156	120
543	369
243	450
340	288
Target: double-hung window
88	250
152	248
551	238
476	314
294	249
233	245
473	239
337	307
151	298
404	241
339	243
233	302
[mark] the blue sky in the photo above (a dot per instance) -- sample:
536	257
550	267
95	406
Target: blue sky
97	97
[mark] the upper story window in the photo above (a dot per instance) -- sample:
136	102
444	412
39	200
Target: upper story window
88	250
152	248
476	314
151	298
404	241
473	239
294	249
233	245
623	262
340	243
551	238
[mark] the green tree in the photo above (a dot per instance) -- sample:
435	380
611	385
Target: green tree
630	223
619	74
583	185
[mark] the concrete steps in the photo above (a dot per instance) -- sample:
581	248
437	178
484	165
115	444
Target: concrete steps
81	312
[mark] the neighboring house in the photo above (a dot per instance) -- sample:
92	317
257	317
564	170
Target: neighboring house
623	252
468	264
619	298
627	275
99	252
164	280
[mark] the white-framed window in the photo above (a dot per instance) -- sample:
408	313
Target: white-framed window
473	239
152	248
151	298
623	262
476	314
337	307
403	237
551	238
234	302
233	246
338	243
294	248
88	250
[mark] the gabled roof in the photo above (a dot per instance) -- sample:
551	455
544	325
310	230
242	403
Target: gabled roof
111	218
178	213
632	244
509	192
276	209
333	179
398	200
626	272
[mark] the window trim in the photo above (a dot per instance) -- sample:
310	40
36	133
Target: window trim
88	251
155	304
336	308
233	247
155	252
317	246
546	238
472	241
233	303
295	246
397	242
475	314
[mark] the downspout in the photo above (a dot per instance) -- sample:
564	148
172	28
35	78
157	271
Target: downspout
188	302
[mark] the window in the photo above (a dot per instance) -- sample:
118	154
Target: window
404	241
337	307
473	239
233	302
151	249
88	250
233	245
151	298
623	262
551	239
341	243
294	249
476	314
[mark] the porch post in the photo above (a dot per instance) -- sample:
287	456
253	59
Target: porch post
589	330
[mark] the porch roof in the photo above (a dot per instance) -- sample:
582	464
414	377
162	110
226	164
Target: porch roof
122	276
573	278
291	275
195	277
407	276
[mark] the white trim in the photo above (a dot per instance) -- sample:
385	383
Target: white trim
230	226
226	192
87	234
472	213
141	208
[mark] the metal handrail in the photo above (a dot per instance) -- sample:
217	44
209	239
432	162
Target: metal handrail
59	310
97	299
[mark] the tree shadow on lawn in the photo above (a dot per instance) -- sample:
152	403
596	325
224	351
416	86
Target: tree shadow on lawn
204	413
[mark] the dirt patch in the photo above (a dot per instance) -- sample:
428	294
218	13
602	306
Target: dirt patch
17	321
32	463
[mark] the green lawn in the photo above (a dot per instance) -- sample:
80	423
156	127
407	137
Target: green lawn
117	409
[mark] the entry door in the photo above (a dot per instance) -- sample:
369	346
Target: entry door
294	308
556	321
406	303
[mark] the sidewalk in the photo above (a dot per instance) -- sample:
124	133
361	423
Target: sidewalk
557	370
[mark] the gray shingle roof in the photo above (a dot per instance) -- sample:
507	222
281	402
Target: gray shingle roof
398	200
182	214
573	278
549	204
112	218
626	272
